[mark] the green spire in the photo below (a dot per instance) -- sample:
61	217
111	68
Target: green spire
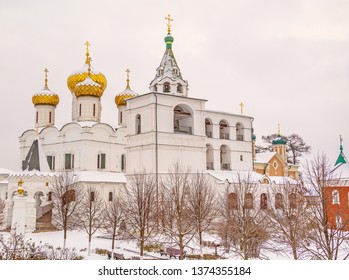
341	158
169	39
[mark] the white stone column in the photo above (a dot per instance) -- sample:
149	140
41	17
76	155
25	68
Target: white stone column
24	215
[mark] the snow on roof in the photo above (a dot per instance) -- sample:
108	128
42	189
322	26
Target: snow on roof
264	157
88	82
101	176
84	69
233	175
342	171
31	173
82	176
282	180
4	171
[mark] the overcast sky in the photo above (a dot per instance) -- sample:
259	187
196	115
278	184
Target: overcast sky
287	61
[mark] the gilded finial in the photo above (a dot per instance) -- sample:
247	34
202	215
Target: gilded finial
87	44
128	78
279	129
169	19
20	183
341	142
242	108
89	66
46	79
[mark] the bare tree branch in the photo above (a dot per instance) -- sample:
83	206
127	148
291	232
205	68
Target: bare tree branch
67	196
92	212
138	206
325	241
181	228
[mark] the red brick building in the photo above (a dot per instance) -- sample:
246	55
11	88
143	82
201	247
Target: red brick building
338	194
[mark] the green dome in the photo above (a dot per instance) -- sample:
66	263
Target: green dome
279	141
254	137
169	40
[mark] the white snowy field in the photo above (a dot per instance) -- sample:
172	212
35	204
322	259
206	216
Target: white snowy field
79	241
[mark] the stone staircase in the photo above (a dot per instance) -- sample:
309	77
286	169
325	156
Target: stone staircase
44	223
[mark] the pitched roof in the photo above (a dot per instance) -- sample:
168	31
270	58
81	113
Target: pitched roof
264	157
36	158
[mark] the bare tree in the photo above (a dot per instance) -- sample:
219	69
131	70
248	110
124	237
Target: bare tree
138	206
288	216
92	212
325	240
114	215
243	228
202	201
181	228
2	214
295	146
67	196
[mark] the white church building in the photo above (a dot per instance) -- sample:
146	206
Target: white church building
156	130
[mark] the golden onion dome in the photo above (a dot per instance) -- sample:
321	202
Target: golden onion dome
45	96
80	75
88	87
120	99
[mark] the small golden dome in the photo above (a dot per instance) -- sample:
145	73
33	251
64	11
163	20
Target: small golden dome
88	88
45	96
120	99
80	75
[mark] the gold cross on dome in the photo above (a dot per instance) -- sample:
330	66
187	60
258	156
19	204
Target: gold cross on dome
46	71
87	44
169	19
128	73
278	129
128	77
242	107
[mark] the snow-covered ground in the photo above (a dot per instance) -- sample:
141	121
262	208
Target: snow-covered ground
79	241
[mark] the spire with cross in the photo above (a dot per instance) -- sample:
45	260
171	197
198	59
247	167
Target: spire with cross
242	108
128	78
169	19
87	44
46	79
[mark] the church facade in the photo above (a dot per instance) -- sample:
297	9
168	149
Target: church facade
156	130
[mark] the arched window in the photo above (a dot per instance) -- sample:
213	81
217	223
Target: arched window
223	129
335	197
138	124
182	119
209	157
339	224
79	110
279	204
233	201
265	181
167	87
92	196
50	117
37	117
155	88
248	201
225	157
239	132
293	201
179	88
120	117
123	162
49	196
110	197
264	201
208	128
94	109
